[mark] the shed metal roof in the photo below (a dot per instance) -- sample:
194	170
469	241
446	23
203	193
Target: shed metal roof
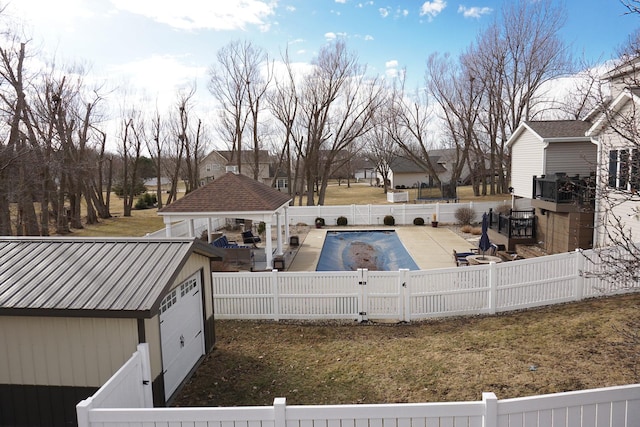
111	277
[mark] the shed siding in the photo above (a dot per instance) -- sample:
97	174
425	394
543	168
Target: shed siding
527	160
573	158
59	351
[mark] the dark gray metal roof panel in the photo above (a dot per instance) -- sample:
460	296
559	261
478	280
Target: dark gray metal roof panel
90	274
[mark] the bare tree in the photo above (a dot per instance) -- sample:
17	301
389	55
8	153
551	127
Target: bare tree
412	127
512	60
237	82
337	104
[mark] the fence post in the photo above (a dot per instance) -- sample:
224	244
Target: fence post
363	300
438	211
276	295
579	289
82	412
280	412
405	294
145	367
493	287
490	418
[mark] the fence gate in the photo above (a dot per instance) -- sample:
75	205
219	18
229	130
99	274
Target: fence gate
380	298
361	214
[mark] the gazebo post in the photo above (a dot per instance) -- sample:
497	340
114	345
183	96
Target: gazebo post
286	225
209	229
192	232
269	246
279	235
167	226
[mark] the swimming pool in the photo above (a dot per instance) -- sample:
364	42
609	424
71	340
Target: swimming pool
379	250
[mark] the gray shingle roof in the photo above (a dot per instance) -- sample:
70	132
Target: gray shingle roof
559	128
230	193
118	277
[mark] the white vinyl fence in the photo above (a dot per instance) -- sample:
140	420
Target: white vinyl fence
129	387
605	407
403	214
410	295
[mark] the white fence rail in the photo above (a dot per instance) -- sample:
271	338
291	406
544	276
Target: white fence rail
606	407
409	295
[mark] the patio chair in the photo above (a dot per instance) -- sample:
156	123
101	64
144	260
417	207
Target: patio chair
248	237
461	257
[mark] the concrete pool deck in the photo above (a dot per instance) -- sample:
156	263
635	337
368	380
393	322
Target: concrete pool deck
428	246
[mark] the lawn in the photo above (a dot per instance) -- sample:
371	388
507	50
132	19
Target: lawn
553	349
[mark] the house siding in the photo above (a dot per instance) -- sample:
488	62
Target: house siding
59	351
573	158
527	160
620	208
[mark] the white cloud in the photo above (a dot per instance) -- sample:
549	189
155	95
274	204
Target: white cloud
474	12
391	68
196	14
341	1
368	38
290	8
330	36
384	12
432	8
158	75
404	12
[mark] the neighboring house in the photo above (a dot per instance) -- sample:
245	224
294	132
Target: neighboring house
152	183
219	162
364	170
411	173
615	128
72	311
553	163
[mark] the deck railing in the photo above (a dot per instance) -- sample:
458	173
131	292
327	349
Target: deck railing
560	188
516	224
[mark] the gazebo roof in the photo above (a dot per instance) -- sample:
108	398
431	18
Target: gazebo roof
229	193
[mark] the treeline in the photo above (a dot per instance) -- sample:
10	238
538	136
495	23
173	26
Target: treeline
55	163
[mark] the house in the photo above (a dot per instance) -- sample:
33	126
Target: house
407	172
615	129
218	162
410	173
152	183
553	163
72	311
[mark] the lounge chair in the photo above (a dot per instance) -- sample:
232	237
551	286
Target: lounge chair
224	243
461	257
248	237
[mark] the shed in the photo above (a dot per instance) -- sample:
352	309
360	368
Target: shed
73	310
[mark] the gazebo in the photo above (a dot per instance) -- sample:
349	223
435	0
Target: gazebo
233	196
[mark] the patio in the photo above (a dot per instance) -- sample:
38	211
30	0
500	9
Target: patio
430	247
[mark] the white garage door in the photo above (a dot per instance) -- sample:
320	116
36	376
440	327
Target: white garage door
181	332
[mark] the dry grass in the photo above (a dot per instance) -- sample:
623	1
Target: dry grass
572	347
364	194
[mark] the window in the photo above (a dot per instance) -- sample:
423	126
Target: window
624	169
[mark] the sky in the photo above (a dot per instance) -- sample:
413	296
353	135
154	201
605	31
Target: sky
160	45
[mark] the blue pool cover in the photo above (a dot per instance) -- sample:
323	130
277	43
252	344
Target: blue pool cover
379	250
